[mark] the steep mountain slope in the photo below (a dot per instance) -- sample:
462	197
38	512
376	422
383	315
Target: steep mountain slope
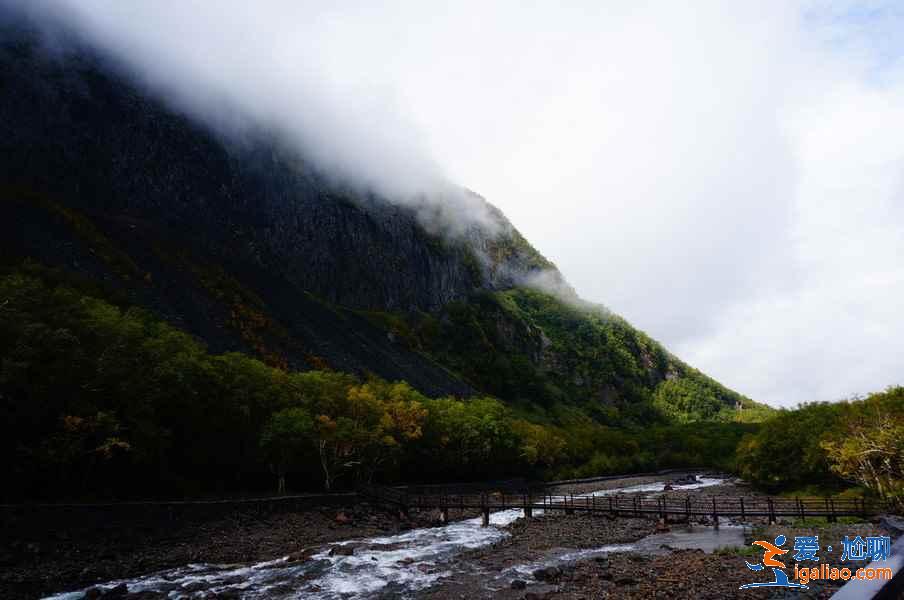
244	245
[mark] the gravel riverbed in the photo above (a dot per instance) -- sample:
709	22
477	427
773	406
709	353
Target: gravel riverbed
549	556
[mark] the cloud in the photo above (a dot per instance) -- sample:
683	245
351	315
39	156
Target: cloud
240	66
726	176
838	330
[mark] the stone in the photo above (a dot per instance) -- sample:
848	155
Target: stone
519	584
893	524
342	518
300	557
547	574
346	550
120	591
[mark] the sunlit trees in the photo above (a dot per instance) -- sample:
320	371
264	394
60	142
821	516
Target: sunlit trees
785	451
402	420
684	400
469	437
538	445
867	445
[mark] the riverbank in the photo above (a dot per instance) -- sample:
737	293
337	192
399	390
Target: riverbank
42	558
692	573
289	549
576	557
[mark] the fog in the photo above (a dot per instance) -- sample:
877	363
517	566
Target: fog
728	178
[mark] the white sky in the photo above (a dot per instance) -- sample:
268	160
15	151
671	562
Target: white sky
726	175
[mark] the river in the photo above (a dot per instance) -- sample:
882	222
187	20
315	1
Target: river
397	565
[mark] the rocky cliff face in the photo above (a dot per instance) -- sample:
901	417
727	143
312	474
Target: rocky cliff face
74	132
236	240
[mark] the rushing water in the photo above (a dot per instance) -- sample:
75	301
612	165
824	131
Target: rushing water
656	486
387	566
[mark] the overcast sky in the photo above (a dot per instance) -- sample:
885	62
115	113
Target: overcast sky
726	175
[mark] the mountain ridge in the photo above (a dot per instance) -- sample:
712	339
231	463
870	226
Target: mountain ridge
250	249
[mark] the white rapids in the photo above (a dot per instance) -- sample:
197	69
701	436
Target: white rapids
656	486
381	567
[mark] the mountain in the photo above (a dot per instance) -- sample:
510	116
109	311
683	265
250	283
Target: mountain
240	242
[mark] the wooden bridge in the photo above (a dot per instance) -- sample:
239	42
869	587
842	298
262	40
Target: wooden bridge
636	505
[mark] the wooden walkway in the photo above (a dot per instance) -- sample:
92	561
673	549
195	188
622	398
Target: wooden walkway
659	506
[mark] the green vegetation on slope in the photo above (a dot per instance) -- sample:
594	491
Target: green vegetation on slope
539	354
104	400
826	446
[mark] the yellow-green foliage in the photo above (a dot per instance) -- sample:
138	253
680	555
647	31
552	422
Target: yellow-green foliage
830	446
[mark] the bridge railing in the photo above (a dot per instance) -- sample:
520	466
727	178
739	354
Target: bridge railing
690	505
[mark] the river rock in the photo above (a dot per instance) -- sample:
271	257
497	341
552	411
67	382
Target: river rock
346	550
342	518
300	557
547	574
120	591
893	524
519	584
688	479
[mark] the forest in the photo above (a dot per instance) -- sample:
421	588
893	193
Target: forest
100	399
852	446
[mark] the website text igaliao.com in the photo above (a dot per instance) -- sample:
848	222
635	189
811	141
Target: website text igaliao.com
824	571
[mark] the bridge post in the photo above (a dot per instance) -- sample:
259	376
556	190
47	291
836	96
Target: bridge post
715	514
486	517
743	516
569	507
687	508
444	514
771	507
831	504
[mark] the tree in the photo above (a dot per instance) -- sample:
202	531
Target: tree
685	400
538	444
364	426
469	437
785	452
401	422
868	446
285	439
